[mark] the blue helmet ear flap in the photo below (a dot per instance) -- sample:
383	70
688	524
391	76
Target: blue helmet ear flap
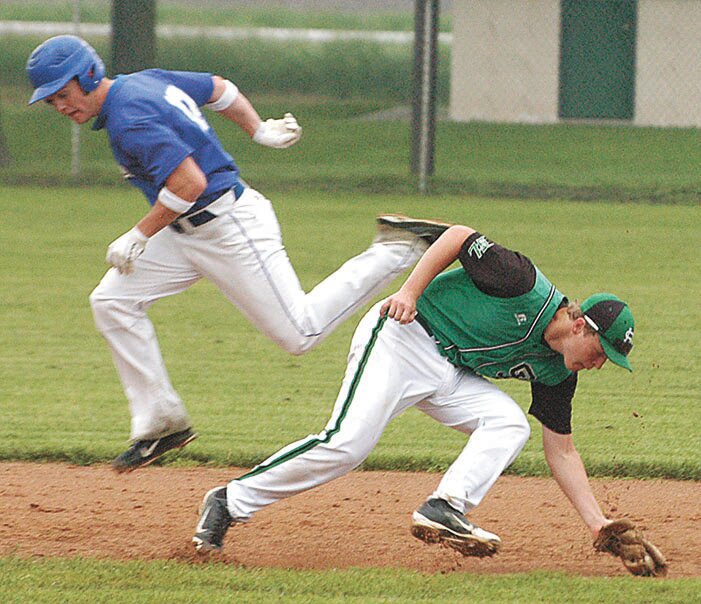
58	60
92	75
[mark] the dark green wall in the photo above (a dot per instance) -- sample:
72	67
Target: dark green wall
597	59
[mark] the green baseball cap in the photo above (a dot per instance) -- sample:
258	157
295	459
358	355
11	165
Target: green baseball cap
612	320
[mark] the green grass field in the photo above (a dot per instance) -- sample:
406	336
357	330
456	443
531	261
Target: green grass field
61	399
94	582
53	359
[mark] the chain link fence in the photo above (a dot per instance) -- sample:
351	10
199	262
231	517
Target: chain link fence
280	52
544	61
668	86
630	62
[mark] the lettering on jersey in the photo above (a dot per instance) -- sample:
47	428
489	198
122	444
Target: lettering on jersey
521	318
479	247
522	371
183	101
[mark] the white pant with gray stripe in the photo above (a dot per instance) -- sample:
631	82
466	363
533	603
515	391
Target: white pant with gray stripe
241	252
392	367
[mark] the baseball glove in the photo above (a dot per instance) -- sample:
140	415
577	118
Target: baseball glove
639	556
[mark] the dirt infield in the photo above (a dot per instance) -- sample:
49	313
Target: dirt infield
361	520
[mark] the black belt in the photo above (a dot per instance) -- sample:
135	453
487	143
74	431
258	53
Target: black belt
421	321
203	216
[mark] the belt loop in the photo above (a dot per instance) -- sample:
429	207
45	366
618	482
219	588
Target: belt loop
238	188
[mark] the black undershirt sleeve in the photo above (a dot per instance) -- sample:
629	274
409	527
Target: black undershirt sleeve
503	273
496	270
552	405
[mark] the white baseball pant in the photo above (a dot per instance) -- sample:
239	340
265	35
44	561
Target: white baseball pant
242	253
392	367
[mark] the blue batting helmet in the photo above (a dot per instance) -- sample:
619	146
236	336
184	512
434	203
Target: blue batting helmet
58	60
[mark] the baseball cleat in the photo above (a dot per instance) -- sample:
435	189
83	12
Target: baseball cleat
145	452
391	225
215	520
436	521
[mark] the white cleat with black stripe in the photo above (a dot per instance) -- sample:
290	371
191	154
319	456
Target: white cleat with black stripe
436	521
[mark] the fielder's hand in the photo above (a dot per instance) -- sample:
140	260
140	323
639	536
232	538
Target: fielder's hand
639	556
124	250
400	306
279	134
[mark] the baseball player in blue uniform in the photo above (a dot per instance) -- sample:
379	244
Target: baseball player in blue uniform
432	345
204	222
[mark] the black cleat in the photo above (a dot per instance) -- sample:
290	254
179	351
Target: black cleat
426	230
215	520
436	521
144	452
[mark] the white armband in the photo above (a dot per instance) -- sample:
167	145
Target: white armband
226	99
171	201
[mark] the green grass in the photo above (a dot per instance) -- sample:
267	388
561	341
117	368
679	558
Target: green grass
341	151
59	394
94	582
337	69
333	89
220	15
61	398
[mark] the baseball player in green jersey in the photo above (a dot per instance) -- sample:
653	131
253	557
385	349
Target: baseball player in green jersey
432	345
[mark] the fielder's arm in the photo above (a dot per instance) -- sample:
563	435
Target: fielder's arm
401	306
571	476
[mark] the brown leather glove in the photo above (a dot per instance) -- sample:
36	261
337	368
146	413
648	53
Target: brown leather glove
639	556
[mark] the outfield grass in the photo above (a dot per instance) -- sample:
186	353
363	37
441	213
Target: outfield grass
338	69
93	582
344	151
62	400
219	14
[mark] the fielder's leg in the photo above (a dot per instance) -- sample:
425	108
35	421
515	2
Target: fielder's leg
381	381
498	431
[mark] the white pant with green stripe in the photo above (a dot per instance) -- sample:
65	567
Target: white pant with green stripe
392	367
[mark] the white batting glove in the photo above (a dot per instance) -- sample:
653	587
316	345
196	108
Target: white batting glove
122	252
279	134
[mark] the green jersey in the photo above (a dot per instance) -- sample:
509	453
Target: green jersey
496	337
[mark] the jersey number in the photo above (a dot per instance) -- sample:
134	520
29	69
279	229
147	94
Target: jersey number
184	102
522	371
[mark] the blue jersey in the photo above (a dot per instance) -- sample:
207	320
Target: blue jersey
153	122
